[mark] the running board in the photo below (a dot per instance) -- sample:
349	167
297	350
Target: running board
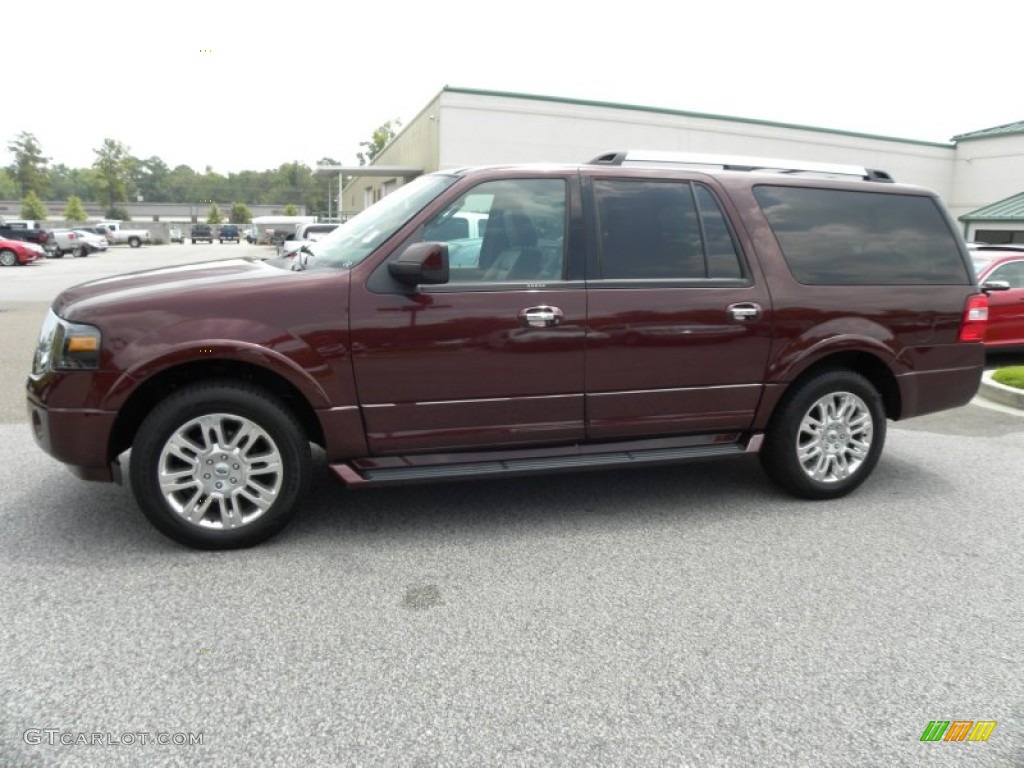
353	476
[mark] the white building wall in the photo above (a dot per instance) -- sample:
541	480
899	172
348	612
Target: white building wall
484	129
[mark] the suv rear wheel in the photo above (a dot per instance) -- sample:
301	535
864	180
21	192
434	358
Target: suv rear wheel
220	465
826	436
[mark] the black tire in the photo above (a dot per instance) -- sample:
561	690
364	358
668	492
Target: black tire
830	460
134	242
226	408
8	258
193	241
79	251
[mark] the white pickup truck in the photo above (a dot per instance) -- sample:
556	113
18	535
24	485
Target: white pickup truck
115	234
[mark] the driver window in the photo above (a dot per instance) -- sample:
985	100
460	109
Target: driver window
1013	273
504	231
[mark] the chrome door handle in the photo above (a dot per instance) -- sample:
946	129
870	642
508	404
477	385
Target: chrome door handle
541	317
744	312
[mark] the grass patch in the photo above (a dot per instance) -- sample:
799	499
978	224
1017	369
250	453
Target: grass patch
1011	377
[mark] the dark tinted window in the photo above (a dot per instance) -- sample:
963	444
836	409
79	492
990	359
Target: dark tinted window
839	237
653	230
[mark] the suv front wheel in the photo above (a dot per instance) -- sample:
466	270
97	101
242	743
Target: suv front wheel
826	436
220	465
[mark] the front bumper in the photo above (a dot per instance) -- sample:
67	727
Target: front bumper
76	437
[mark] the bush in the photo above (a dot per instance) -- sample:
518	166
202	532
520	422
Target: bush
1011	377
117	213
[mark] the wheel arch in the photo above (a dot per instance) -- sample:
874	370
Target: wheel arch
145	397
869	365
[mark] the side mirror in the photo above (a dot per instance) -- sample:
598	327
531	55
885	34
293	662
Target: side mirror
995	285
421	264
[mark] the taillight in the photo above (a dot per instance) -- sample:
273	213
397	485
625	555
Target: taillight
975	318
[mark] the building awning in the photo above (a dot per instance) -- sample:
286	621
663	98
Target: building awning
1009	209
388	171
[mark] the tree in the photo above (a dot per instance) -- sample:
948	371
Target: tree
32	207
75	211
113	167
8	186
29	168
290	210
118	213
214	216
150	178
381	137
240	214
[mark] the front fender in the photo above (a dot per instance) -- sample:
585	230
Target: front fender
284	354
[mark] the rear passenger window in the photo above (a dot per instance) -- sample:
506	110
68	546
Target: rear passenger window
840	237
654	230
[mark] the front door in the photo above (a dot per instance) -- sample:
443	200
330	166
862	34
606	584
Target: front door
492	359
1006	308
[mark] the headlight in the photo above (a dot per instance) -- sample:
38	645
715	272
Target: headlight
65	346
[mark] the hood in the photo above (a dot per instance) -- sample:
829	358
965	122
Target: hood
154	287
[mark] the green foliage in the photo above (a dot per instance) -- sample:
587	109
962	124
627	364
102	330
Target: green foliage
116	176
214	216
150	178
8	186
290	210
114	167
29	167
381	137
32	207
240	214
1011	377
118	213
75	211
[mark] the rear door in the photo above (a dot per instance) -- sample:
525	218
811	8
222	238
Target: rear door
678	328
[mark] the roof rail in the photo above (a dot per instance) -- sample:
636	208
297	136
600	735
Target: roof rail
737	163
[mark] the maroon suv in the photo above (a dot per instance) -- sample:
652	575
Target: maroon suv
632	311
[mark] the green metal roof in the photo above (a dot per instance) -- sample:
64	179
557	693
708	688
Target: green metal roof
999	130
660	111
1010	209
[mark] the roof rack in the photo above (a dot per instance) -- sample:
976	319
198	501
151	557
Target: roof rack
737	163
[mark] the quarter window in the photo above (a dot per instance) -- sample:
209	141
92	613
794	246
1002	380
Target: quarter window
654	230
841	237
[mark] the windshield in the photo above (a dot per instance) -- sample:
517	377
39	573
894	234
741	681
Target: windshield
357	238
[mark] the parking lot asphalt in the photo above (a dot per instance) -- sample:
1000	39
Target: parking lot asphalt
689	615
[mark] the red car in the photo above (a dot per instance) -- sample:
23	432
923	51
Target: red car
13	252
1005	307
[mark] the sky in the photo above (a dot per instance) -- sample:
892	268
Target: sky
250	86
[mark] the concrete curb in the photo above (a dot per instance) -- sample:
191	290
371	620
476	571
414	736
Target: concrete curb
1000	393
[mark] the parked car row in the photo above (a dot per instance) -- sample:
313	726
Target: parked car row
204	233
